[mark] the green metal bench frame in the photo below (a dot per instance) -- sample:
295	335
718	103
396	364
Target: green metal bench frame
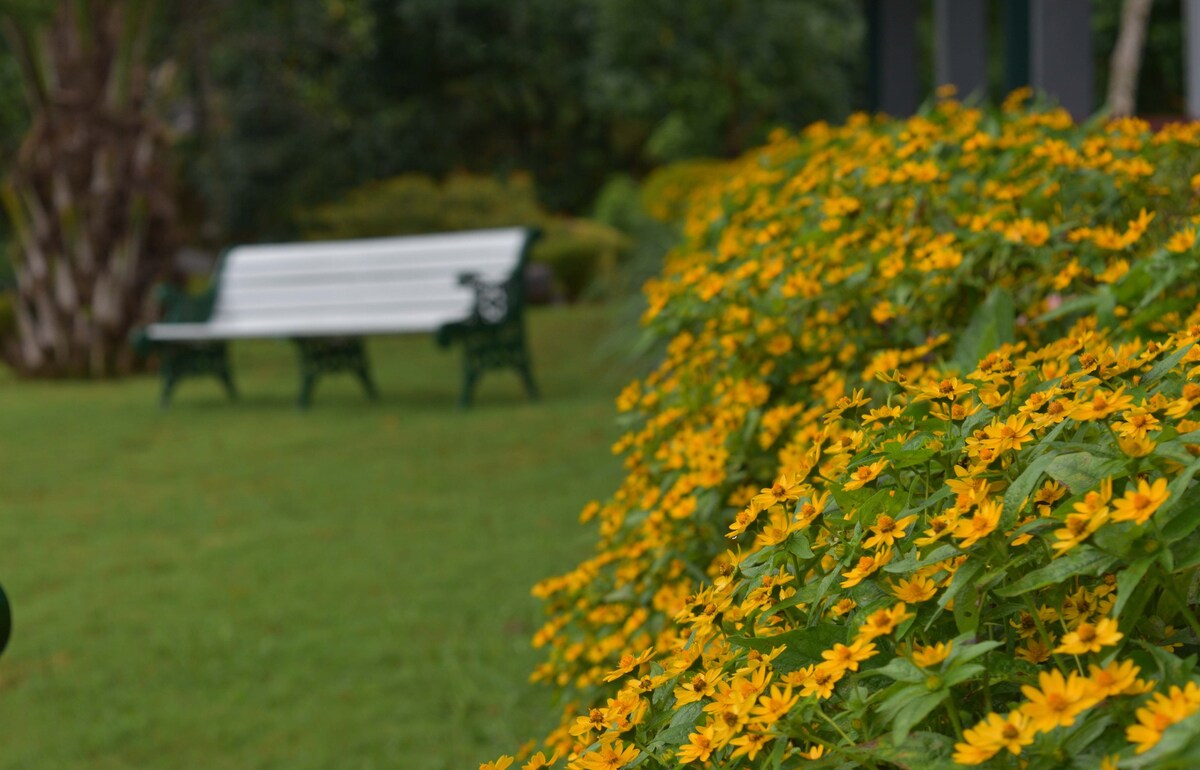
493	337
5	620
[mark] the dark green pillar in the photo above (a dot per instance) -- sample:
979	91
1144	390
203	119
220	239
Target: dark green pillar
1191	50
960	45
892	56
1061	60
1016	44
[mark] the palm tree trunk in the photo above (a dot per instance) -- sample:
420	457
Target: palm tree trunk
89	194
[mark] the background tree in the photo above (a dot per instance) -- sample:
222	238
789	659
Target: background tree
88	194
1126	59
711	78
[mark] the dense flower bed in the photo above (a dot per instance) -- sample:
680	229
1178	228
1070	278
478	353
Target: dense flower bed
914	482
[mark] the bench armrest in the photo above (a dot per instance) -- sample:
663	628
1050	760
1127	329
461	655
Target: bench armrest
495	302
180	306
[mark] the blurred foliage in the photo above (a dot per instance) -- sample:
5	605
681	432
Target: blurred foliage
284	104
711	78
280	105
583	255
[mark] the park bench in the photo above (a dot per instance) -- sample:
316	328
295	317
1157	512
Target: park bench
326	296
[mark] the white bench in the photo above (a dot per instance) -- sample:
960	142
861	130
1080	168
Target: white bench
327	295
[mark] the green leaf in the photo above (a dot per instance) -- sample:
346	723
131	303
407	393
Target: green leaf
909	564
1081	471
1127	582
915	710
899	670
682	724
906	458
962	580
1167	364
992	325
921	749
1023	487
1083	560
798	545
1083	737
966	609
960	674
962	652
803	646
1180	516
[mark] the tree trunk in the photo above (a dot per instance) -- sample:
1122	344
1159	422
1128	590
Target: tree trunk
89	193
1127	57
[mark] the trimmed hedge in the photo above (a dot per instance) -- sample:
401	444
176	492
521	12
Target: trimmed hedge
914	483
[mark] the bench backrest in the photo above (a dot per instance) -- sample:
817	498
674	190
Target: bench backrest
375	285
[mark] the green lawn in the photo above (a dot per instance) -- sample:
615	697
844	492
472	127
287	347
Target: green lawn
244	586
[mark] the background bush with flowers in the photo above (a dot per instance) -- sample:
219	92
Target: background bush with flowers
915	481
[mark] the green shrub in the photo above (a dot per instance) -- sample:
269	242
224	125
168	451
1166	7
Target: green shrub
915	482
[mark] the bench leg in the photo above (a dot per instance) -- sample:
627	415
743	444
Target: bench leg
308	384
322	356
531	387
226	378
182	360
168	386
471	375
364	376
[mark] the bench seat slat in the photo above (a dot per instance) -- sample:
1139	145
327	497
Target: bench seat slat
317	297
242	279
299	326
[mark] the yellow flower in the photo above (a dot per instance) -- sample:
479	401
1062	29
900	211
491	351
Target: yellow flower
1139	504
883	621
980	525
864	474
1090	638
628	663
915	590
1182	240
699	686
842	606
1057	701
1079	527
814	752
1137	424
993	734
886	530
1009	435
1113	679
749	743
700	745
1159	713
1102	404
931	655
771	708
866	565
499	764
847	657
816	680
1034	651
538	761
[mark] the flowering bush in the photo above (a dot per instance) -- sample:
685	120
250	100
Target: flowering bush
914	482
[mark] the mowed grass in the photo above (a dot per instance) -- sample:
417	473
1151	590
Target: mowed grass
245	586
